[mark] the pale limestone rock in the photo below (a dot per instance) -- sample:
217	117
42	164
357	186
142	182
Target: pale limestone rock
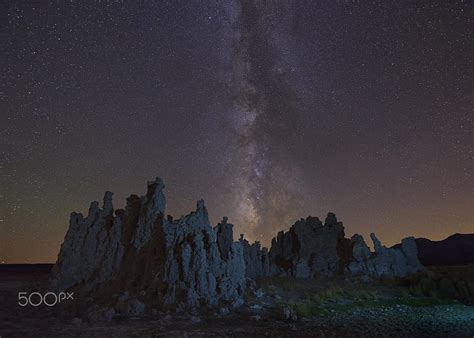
257	260
361	255
92	250
383	261
309	248
203	265
224	237
410	251
186	261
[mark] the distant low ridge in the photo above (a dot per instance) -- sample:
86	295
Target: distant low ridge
457	249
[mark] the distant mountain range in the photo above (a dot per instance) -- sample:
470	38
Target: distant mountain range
457	249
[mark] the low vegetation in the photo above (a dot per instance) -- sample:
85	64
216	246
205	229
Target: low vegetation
437	284
336	300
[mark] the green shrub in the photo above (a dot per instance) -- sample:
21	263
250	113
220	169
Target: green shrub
429	287
446	288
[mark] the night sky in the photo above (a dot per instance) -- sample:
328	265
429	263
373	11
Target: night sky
269	112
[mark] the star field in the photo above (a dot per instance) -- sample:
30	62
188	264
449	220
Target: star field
268	111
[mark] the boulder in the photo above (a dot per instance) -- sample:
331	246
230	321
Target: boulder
288	314
135	308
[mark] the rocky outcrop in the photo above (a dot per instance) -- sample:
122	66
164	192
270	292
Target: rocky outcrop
257	260
92	249
224	237
152	205
384	261
308	249
133	259
203	265
154	260
361	255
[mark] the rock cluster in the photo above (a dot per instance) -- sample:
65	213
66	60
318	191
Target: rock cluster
308	248
134	258
203	265
184	262
384	261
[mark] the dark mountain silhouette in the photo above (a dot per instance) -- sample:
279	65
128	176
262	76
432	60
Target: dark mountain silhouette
25	268
457	249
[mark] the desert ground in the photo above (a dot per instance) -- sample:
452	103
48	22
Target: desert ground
274	307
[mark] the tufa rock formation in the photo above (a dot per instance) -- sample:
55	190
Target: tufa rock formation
308	249
154	261
92	250
257	260
385	261
133	259
203	265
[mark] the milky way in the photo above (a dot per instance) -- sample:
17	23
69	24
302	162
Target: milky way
263	114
